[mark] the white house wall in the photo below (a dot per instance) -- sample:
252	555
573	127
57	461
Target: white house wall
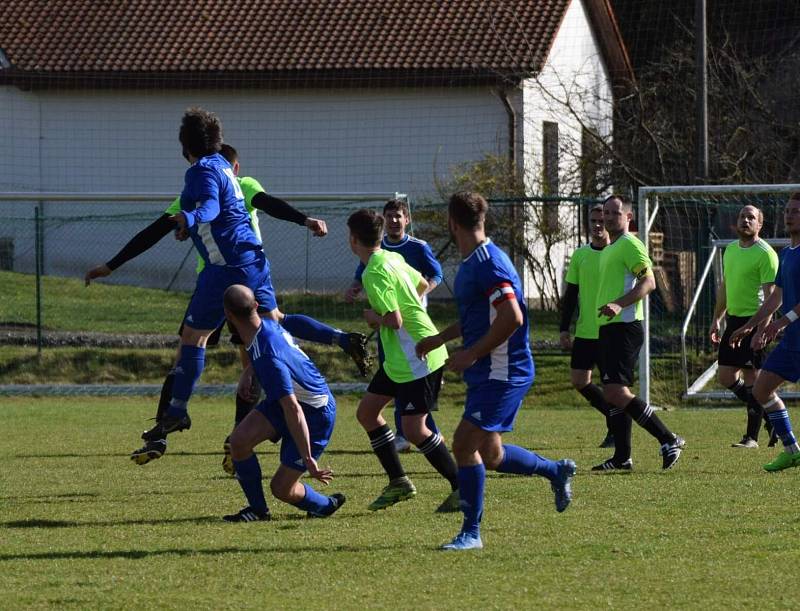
573	88
293	141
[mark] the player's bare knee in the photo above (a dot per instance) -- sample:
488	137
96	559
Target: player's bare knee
280	490
241	447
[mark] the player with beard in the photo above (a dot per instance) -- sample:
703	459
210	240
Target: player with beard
625	278
748	269
783	363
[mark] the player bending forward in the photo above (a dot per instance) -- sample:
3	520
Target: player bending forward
299	411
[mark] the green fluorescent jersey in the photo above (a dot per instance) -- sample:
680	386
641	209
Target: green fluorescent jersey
250	188
583	271
621	262
745	270
391	285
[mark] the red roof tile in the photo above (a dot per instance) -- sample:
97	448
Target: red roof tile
89	36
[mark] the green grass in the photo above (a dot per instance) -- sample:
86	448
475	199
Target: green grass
84	528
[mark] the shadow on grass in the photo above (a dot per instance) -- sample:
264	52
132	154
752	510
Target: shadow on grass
34	523
66	495
141	554
112	455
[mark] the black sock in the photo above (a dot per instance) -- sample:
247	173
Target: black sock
440	458
620	427
740	390
754	415
243	407
647	419
382	441
166	395
594	395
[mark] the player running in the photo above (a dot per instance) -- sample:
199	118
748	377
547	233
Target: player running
394	290
497	365
418	254
749	266
581	291
299	411
783	363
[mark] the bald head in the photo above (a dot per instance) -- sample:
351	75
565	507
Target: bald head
239	301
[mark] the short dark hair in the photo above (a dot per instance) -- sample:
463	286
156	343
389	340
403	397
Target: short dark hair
230	154
239	301
468	209
626	203
397	204
366	226
200	133
596	208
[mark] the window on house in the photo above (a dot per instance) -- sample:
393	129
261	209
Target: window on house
550	171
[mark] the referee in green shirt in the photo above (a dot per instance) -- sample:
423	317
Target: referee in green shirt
582	287
749	267
625	278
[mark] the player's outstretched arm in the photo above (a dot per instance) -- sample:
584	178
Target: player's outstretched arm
284	211
141	242
296	423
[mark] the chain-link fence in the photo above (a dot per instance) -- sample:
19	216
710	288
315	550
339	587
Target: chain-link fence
47	246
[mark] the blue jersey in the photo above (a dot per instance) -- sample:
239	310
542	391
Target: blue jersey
283	369
216	215
484	280
417	254
788	279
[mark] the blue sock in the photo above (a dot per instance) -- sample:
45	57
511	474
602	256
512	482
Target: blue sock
187	372
314	502
524	462
307	328
248	473
429	422
783	428
470	487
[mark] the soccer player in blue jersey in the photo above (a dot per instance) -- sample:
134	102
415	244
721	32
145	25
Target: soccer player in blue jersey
783	363
299	411
498	368
213	215
418	254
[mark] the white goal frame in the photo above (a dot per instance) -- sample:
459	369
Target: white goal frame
648	207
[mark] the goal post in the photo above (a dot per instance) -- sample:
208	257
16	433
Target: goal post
686	229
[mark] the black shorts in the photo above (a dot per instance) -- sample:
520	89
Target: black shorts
584	353
416	397
743	357
618	351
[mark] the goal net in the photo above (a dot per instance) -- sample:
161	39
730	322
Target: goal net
687	230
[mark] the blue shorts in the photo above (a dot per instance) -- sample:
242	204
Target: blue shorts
205	309
493	405
783	362
319	420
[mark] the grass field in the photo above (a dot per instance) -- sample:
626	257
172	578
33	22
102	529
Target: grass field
84	528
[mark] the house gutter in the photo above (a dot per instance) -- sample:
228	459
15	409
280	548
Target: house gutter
512	162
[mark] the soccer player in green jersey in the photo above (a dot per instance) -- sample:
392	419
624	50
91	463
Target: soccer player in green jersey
625	279
748	270
582	277
394	290
248	391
